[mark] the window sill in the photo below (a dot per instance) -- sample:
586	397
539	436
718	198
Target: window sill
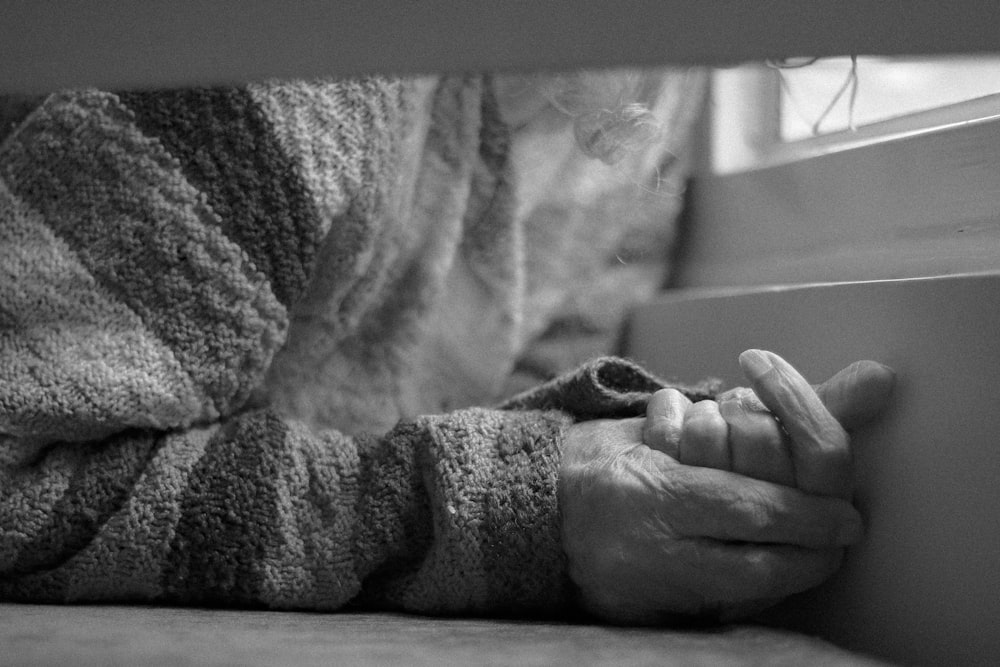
921	205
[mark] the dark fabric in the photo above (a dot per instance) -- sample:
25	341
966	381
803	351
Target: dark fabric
605	388
228	150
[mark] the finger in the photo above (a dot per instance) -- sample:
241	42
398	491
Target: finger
728	506
761	571
758	445
854	396
720	580
746	396
704	437
664	420
857	394
821	453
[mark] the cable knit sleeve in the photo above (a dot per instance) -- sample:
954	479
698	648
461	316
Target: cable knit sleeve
152	246
454	513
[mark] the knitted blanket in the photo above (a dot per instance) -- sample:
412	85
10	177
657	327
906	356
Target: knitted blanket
217	336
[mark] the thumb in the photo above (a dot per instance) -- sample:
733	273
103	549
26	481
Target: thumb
857	394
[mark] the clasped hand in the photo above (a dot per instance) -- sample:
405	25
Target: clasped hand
720	507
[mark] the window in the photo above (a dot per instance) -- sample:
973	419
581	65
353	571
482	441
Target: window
768	113
913	190
829	95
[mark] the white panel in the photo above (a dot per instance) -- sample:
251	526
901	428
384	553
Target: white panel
923	587
916	206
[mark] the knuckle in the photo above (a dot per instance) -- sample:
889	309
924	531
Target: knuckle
706	422
662	394
702	428
729	394
678	402
667	399
759	511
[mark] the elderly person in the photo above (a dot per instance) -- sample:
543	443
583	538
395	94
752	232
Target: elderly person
242	332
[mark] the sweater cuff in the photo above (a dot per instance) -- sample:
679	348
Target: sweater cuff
491	480
605	388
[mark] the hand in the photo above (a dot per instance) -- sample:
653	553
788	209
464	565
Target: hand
648	537
738	433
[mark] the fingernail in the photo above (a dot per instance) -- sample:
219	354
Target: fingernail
755	363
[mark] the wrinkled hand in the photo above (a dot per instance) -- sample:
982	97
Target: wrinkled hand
648	536
778	431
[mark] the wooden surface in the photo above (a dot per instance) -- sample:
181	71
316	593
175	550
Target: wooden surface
123	43
112	635
922	587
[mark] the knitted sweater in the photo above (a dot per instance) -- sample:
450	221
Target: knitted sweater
240	329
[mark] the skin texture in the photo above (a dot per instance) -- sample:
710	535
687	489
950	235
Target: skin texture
719	508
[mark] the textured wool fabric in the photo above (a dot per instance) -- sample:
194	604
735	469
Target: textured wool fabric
241	330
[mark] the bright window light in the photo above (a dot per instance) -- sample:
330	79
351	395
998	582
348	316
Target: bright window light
816	96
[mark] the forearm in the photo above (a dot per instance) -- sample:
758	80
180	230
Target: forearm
445	514
490	482
200	516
